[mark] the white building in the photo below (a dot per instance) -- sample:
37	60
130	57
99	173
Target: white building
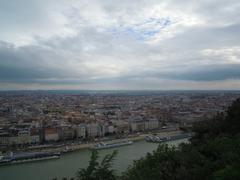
151	124
110	129
23	137
93	130
81	131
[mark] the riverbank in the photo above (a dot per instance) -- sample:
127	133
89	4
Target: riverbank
69	163
134	138
71	147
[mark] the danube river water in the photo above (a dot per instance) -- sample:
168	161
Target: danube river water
69	163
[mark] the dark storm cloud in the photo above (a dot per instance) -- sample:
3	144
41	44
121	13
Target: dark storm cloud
26	64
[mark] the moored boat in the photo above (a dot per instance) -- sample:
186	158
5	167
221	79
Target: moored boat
103	145
158	139
27	157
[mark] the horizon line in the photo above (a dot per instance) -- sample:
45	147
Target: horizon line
119	90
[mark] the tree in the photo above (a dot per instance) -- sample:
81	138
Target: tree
161	164
96	170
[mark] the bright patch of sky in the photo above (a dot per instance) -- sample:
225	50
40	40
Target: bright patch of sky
141	31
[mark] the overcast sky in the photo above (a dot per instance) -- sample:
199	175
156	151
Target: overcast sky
119	44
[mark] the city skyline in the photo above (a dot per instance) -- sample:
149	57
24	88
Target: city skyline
127	45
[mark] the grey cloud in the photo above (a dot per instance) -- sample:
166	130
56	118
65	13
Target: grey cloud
28	63
207	73
91	53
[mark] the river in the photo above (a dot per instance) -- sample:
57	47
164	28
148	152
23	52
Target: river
69	163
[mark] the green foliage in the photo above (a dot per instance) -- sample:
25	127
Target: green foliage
158	165
104	170
96	170
228	173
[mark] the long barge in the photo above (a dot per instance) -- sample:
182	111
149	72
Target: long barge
159	139
103	145
27	157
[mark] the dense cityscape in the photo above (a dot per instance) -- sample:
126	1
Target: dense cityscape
34	118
